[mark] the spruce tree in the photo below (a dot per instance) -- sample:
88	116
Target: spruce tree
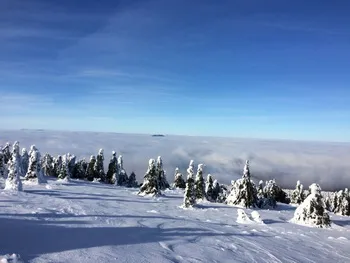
13	181
7	152
199	184
132	180
312	210
343	203
90	171
24	161
64	172
189	196
122	177
297	195
34	172
243	192
150	183
209	189
57	164
112	169
99	173
71	161
80	169
47	165
3	167
179	182
163	183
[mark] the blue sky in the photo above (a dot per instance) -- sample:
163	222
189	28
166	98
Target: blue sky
263	69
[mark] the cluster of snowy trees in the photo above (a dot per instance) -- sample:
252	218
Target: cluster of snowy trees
32	167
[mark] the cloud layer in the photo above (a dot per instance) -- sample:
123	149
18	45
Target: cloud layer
286	161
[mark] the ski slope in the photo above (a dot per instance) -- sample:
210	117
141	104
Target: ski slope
81	221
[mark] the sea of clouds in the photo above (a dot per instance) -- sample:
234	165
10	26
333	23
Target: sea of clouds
287	161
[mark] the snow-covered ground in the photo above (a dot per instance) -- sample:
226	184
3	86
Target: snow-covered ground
91	222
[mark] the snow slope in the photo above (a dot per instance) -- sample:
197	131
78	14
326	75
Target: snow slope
91	222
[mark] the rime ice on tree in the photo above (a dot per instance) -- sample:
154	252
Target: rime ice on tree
64	172
199	184
98	168
179	182
243	192
111	176
24	161
297	195
150	183
57	164
34	172
163	183
48	165
122	177
343	203
189	197
312	211
13	181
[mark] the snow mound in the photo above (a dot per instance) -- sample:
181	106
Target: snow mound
256	217
14	258
243	218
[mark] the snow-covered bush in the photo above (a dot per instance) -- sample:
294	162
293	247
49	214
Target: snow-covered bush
199	184
34	172
150	182
312	212
243	192
179	182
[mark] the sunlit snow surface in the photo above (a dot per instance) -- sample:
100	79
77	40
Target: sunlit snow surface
91	222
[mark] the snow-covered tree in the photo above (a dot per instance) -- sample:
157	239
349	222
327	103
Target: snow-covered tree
209	188
3	167
260	195
64	172
71	159
271	191
343	203
34	172
150	182
6	150
99	168
189	197
24	161
57	164
90	171
47	165
13	181
179	182
79	171
312	211
163	183
199	184
132	182
298	194
111	176
122	177
243	192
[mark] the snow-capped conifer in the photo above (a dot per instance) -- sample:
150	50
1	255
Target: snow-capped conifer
343	203
209	188
34	172
57	164
13	181
243	192
79	171
260	195
47	165
199	184
163	183
99	168
64	172
111	176
271	191
3	167
24	161
189	197
179	182
150	183
122	177
6	150
132	182
71	158
297	195
312	211
90	171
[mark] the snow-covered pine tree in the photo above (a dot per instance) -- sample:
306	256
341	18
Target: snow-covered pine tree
132	182
243	192
111	176
260	195
179	182
71	158
199	184
122	177
189	196
3	167
34	172
80	169
64	172
13	181
343	203
99	168
297	196
150	182
209	188
271	191
312	211
57	163
6	150
47	165
24	161
90	171
163	183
